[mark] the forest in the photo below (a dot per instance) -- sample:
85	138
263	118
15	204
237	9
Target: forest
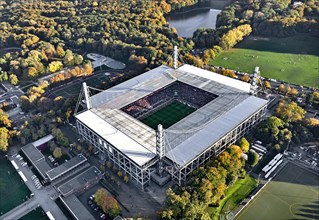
276	18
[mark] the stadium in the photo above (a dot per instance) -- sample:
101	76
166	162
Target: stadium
166	122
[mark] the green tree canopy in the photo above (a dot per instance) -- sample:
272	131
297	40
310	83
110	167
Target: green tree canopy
4	139
253	158
57	153
290	112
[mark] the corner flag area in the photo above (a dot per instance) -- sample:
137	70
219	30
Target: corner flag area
292	194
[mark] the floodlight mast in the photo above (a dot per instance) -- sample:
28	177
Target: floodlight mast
253	87
86	95
160	147
175	56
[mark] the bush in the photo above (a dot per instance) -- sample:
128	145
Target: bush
253	158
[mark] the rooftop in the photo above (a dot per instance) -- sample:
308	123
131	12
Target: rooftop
76	208
80	181
183	140
65	167
37	159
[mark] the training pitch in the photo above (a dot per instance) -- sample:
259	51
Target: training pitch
292	194
13	191
292	59
168	115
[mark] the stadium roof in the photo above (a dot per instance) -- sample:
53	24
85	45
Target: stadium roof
130	147
188	137
199	141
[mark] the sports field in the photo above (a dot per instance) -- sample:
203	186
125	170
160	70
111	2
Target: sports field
12	189
168	115
292	194
233	196
74	88
292	59
37	214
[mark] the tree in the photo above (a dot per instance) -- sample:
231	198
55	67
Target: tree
57	153
315	97
312	122
4	139
245	78
229	73
55	66
282	88
253	158
60	51
232	37
4	119
13	79
267	84
290	112
78	59
293	92
126	179
108	204
244	144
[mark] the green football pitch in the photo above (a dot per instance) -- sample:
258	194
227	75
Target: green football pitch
291	59
292	194
168	115
37	214
12	189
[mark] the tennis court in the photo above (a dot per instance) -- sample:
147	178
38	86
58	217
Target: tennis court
168	115
292	194
13	191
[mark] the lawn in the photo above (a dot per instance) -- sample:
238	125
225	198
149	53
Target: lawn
37	214
292	194
168	115
292	59
233	196
13	191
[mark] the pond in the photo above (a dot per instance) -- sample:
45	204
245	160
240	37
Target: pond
188	21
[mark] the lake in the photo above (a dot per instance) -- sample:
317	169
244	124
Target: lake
203	16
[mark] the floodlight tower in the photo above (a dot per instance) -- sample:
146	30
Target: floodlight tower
86	96
253	86
175	57
160	148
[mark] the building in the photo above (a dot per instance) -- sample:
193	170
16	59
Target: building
221	110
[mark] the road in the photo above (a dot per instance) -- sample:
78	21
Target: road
43	197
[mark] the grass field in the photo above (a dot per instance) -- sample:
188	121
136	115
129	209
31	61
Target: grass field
37	214
12	189
234	195
74	89
168	115
292	59
292	194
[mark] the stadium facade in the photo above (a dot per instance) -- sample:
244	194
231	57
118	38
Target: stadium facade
223	111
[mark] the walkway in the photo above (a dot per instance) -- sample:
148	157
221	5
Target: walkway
21	210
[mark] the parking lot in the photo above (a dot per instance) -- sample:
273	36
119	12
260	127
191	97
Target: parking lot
88	201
